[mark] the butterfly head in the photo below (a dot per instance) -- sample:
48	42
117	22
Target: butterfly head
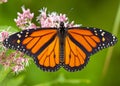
61	24
62	28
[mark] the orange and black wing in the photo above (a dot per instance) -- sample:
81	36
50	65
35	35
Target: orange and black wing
81	43
41	44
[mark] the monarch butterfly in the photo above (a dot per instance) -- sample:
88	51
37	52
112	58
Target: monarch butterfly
53	48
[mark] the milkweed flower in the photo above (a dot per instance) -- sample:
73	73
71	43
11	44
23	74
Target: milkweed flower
24	20
14	61
53	19
20	64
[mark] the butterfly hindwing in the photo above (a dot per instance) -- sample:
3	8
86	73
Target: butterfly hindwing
41	44
75	58
82	42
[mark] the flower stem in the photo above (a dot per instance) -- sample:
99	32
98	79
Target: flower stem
110	50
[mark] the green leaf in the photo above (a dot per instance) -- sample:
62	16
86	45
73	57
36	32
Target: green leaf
3	73
15	81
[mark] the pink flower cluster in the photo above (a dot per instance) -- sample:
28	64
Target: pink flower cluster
13	61
53	19
24	20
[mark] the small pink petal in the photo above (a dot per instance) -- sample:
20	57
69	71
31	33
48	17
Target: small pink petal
32	26
17	68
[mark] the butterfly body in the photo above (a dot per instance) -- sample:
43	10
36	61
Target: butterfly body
53	48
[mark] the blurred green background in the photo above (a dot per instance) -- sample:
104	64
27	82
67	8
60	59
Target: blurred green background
92	13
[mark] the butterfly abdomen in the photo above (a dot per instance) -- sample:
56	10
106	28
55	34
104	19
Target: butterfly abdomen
62	53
